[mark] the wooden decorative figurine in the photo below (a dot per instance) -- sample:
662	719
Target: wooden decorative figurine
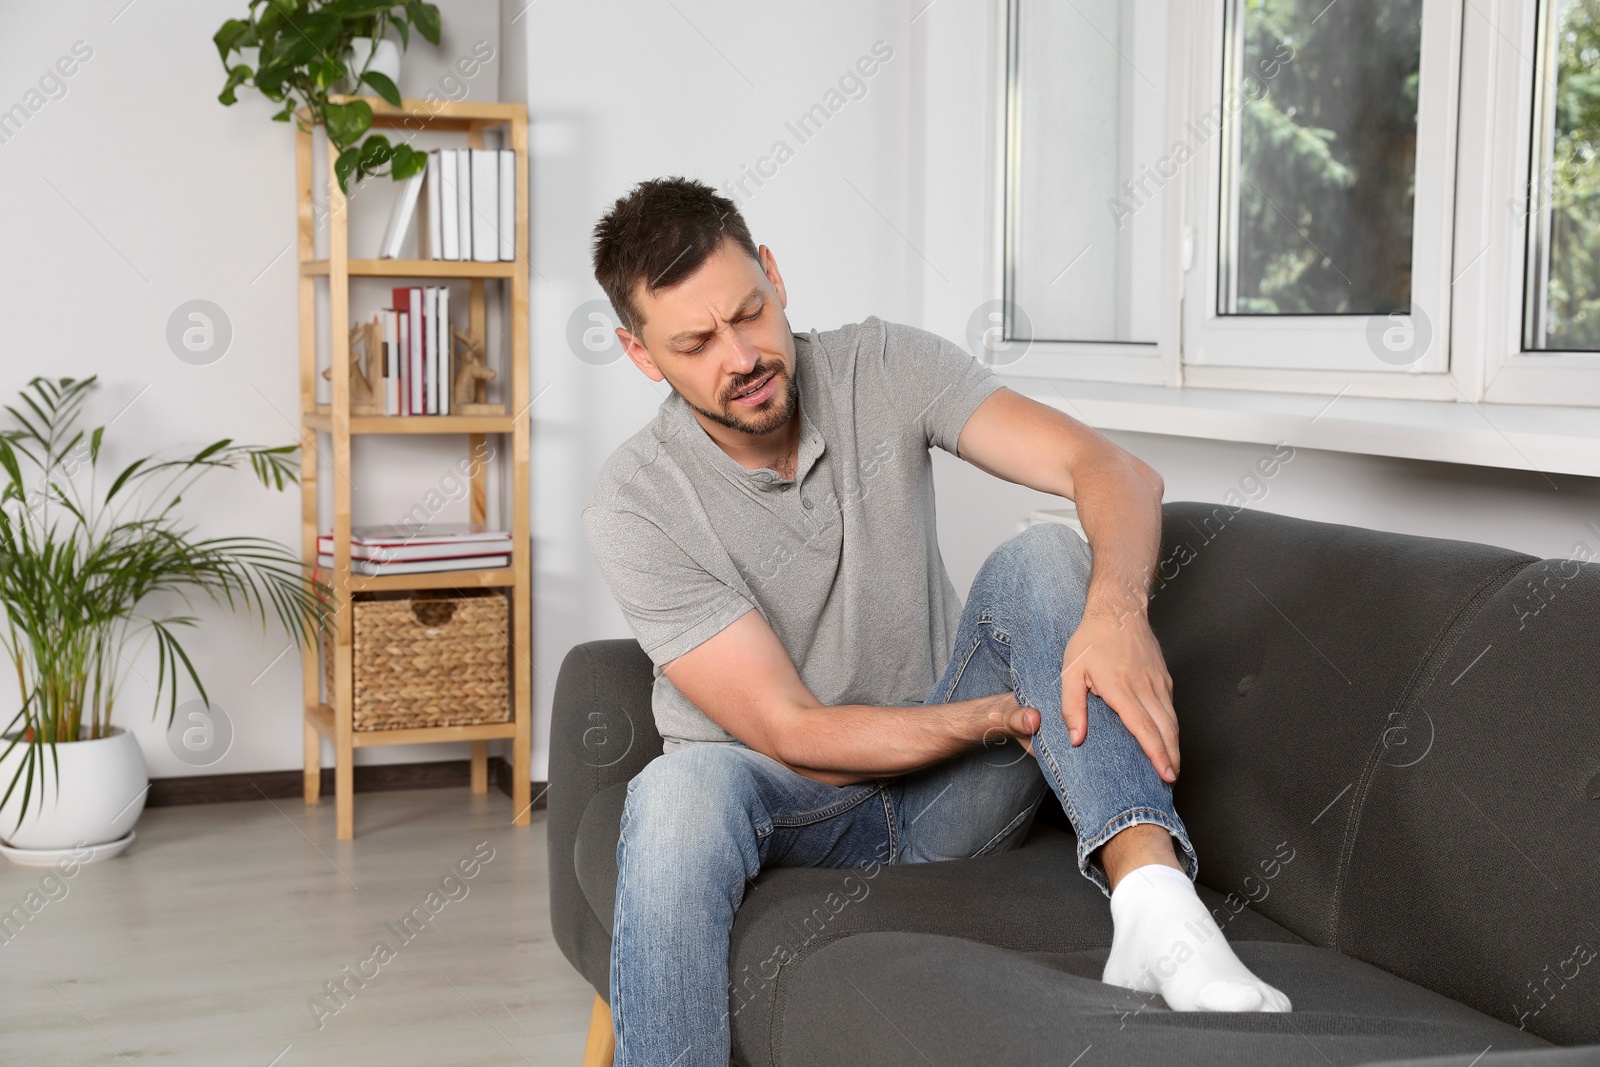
469	390
366	370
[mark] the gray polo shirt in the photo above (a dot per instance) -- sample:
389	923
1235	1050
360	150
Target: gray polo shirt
842	560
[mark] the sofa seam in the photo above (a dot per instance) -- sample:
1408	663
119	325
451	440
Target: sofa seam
1427	670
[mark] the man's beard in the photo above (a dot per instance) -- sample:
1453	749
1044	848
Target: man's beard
776	412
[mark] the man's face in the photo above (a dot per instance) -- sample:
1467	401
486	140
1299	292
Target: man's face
721	339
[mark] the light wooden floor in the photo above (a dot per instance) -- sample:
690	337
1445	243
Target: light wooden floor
204	942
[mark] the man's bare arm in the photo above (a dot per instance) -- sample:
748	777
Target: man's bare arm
745	682
1113	654
1118	495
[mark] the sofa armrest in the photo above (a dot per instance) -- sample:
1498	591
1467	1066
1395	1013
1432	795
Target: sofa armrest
602	733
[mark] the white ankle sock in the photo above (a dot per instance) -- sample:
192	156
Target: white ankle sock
1166	942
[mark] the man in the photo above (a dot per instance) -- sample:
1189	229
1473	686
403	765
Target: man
823	697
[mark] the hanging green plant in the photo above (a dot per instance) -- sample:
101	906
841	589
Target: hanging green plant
305	53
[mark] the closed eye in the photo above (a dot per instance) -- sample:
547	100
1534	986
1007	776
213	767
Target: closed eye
753	316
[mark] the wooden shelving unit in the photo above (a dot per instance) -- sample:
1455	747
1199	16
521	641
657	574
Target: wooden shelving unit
333	718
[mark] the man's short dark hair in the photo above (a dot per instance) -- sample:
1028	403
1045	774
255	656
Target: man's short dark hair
658	235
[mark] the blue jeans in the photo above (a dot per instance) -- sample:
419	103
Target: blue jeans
701	821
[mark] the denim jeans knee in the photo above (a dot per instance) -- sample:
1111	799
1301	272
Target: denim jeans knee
682	795
1045	548
1026	603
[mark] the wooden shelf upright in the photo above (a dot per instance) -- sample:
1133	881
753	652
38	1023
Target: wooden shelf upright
334	717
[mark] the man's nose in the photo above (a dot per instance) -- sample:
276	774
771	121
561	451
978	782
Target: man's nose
742	357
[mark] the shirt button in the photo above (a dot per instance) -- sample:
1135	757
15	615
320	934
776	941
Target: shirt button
807	503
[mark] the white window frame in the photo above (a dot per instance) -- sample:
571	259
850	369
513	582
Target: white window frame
1133	362
1250	351
1482	142
1502	38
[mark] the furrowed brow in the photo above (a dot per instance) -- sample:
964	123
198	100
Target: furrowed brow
692	337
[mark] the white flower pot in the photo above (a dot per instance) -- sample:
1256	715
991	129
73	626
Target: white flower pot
387	61
102	786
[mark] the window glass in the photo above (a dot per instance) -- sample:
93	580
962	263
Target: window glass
1086	166
1563	307
1319	156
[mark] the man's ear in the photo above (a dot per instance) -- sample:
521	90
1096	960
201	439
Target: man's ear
769	265
639	354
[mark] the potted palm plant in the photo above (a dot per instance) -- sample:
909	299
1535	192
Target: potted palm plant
92	572
303	53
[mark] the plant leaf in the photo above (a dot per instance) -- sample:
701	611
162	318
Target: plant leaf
212	449
384	86
234	34
348	161
347	122
237	76
407	162
375	152
426	18
122	479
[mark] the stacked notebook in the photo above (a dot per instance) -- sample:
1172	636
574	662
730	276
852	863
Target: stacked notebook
407	549
464	204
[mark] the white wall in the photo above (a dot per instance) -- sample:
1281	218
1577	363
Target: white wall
130	194
136	191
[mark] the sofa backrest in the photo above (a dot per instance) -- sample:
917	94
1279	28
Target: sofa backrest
1494	814
1352	770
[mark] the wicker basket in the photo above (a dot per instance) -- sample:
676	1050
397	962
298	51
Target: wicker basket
424	659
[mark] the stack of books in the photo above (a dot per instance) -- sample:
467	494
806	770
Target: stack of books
416	351
464	204
414	549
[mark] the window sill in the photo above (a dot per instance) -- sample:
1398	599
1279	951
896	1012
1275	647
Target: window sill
1532	437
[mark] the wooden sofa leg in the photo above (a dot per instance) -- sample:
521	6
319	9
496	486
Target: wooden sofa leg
601	1047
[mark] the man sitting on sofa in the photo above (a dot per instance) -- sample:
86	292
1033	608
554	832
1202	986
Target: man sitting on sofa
824	698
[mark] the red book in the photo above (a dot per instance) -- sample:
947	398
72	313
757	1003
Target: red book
409	299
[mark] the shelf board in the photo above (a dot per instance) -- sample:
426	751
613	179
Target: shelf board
414	268
407	424
442	114
321	717
484	579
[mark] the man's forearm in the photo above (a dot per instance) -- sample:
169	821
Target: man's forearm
1118	500
850	743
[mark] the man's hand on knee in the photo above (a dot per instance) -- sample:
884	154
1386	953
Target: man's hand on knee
1121	663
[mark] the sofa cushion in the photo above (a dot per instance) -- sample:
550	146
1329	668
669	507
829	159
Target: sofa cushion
1290	643
915	999
1475	845
1029	899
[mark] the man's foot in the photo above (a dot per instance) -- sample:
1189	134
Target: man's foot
1166	942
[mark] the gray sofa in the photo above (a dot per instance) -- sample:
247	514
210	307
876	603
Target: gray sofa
1391	774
